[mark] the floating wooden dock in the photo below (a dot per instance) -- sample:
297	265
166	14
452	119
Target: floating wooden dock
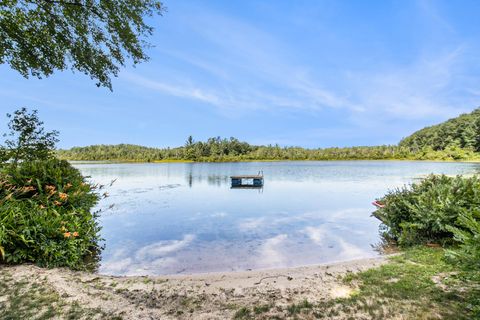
248	181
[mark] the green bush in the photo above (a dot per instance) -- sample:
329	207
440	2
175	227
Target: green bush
469	239
45	215
427	211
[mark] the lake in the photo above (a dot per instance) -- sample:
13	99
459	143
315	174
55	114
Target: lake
177	218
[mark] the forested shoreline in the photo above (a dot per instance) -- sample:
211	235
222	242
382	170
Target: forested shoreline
457	139
225	150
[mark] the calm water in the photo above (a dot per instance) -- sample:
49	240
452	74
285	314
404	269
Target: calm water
184	218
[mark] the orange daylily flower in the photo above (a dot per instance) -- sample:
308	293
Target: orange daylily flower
63	196
75	234
67	235
28	189
57	203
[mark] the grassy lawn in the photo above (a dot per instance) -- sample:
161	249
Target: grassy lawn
418	284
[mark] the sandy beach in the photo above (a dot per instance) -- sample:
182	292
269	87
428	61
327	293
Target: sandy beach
199	296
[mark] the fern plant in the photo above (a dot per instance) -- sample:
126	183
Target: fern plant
426	211
468	236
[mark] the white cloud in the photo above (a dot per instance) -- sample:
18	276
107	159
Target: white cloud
432	13
246	68
181	91
419	90
241	68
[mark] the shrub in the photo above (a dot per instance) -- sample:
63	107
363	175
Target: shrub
469	239
45	215
427	211
27	139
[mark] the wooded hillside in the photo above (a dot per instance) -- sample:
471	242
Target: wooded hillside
462	131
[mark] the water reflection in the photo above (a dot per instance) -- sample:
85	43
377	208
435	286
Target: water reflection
184	218
199	177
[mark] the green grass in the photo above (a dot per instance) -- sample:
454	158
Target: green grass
262	308
34	299
418	284
298	308
242	313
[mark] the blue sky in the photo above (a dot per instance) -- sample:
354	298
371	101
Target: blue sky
305	73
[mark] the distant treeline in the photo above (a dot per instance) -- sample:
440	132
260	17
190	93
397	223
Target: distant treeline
455	139
216	149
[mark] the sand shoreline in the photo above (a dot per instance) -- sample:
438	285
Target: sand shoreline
242	273
215	295
245	271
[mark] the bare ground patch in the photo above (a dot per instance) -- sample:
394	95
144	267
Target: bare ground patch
417	284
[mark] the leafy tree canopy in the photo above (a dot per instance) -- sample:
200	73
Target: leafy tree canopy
95	37
27	139
460	132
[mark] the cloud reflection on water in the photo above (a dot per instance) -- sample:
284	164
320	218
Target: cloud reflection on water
345	250
270	252
171	218
154	256
251	224
316	234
